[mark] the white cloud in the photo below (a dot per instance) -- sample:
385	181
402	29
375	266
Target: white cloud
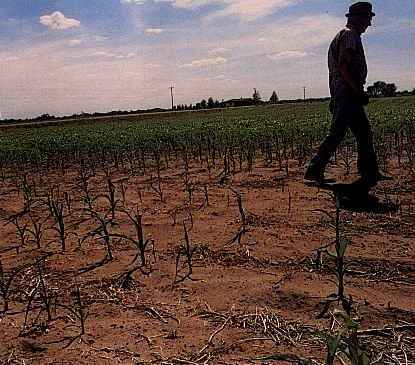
46	79
98	38
75	42
153	31
10	59
188	4
307	33
141	2
220	50
106	54
58	21
206	62
191	4
253	9
286	55
138	2
245	9
218	77
130	73
221	77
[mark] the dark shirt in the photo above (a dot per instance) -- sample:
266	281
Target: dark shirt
346	39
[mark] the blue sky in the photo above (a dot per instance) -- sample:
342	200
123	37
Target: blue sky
67	56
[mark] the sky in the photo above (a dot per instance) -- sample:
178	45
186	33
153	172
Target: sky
70	56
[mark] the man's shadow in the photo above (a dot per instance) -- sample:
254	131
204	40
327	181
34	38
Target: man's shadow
369	205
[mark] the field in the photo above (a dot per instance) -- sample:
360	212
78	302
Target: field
191	239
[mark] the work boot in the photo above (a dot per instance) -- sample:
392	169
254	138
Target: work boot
314	173
366	181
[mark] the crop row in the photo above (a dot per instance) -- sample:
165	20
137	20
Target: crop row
278	132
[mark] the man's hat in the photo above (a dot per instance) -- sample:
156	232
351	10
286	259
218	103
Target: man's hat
361	8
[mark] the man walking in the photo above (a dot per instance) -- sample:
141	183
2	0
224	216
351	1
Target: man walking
347	77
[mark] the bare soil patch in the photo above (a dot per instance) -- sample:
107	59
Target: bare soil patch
242	301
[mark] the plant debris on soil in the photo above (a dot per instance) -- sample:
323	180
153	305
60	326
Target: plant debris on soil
195	267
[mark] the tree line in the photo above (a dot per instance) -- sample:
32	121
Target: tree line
381	89
211	103
377	90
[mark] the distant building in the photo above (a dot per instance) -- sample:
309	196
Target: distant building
238	102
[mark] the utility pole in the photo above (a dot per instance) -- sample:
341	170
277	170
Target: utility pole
304	88
171	93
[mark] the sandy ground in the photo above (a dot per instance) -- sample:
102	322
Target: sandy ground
242	301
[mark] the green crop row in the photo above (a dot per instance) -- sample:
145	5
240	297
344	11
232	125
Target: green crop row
296	128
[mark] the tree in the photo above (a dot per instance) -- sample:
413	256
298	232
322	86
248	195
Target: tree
203	104
210	103
256	96
413	92
381	88
390	90
376	89
274	98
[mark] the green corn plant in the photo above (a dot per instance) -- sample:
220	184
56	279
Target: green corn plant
345	341
340	243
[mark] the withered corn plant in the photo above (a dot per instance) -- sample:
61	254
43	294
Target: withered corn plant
123	189
244	221
156	186
36	230
101	232
19	222
110	196
29	192
57	212
79	309
184	259
84	185
141	243
6	281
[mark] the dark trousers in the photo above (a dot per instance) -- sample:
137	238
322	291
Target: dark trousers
349	113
